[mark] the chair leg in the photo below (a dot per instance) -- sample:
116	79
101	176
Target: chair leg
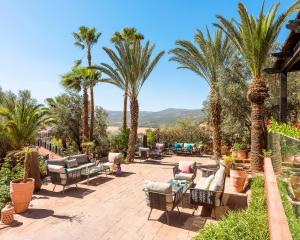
178	209
149	214
63	189
195	208
53	188
168	218
214	213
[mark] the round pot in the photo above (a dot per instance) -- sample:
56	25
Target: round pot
237	180
242	154
295	183
21	194
289	158
297	158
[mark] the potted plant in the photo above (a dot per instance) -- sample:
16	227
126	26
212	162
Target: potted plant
21	189
241	150
238	178
295	183
227	161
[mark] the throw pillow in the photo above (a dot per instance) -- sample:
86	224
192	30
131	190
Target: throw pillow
186	168
72	163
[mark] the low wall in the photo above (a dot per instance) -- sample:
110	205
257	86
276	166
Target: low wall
278	224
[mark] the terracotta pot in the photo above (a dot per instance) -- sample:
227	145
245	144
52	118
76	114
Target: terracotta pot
289	158
237	180
297	158
295	183
21	194
242	154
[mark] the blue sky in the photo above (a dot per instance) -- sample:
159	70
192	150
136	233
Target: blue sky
36	45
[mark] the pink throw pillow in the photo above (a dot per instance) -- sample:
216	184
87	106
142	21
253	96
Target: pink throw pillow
186	168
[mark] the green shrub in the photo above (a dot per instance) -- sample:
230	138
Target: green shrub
248	224
8	172
294	222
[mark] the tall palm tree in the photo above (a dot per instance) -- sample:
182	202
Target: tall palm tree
131	64
77	79
86	38
205	58
22	118
254	38
128	36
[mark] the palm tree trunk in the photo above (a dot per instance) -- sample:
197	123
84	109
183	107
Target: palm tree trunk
85	126
92	106
216	109
134	112
276	153
92	109
257	93
124	123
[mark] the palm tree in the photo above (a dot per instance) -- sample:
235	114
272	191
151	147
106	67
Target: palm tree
205	59
254	38
86	38
132	64
128	36
77	79
22	118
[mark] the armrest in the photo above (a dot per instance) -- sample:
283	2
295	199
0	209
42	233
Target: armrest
175	170
206	172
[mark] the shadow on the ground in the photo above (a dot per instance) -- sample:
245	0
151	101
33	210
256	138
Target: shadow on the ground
37	213
76	192
184	220
14	224
96	181
69	218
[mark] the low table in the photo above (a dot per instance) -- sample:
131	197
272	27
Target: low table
95	170
183	186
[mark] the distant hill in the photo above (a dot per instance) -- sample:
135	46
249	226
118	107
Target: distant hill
156	119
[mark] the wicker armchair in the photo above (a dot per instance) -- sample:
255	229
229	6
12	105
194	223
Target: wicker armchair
65	178
162	198
179	175
211	195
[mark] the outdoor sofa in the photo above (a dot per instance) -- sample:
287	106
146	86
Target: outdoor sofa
67	170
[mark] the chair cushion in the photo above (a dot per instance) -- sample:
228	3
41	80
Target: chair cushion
184	164
56	168
159	146
81	158
204	183
184	176
58	162
217	184
113	157
71	163
177	145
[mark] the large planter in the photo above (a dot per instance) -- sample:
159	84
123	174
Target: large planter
295	183
289	158
237	179
21	194
241	154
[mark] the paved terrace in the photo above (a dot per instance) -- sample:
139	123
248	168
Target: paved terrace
109	208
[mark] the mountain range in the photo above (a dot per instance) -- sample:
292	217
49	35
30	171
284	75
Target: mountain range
156	119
